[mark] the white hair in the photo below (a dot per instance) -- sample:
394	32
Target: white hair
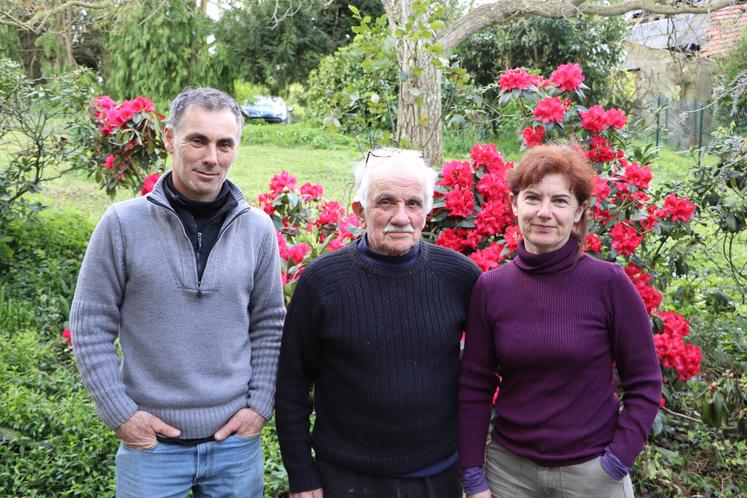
409	160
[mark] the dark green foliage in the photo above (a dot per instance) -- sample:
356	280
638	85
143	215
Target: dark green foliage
276	54
157	48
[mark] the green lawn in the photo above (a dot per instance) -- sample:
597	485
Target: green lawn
252	171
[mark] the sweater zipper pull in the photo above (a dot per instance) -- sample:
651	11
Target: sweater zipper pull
199	242
199	253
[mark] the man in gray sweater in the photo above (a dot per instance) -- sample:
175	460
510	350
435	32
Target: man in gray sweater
188	278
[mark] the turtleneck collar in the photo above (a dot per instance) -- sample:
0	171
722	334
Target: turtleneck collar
402	261
550	262
177	199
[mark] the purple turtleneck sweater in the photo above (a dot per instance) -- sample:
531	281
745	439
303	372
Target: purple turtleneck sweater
552	326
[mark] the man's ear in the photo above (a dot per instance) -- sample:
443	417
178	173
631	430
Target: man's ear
358	210
168	139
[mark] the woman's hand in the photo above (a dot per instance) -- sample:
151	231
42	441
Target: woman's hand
481	494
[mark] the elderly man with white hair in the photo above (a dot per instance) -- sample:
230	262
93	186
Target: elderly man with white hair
371	345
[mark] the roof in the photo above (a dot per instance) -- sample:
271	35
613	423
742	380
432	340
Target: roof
683	31
726	26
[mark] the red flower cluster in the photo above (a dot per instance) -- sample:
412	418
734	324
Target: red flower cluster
592	243
126	141
651	297
283	181
567	77
600	150
311	192
549	110
457	174
677	209
596	119
640	176
149	183
488	258
109	115
625	238
68	336
533	135
672	349
459	202
518	79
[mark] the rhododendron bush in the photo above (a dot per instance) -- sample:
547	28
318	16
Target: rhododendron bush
628	223
307	225
126	143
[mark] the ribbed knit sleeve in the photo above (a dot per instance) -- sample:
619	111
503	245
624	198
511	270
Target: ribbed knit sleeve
266	312
637	366
95	320
296	374
477	380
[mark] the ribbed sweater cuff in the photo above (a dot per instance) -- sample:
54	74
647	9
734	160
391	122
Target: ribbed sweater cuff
473	480
261	404
613	466
304	480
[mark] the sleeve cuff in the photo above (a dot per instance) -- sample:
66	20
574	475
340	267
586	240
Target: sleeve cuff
613	466
473	480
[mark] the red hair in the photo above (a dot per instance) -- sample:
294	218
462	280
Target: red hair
570	162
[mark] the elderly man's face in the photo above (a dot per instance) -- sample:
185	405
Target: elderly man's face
395	210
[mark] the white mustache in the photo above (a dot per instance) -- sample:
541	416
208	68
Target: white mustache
399	229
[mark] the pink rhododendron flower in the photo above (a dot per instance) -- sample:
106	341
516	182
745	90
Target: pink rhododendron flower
453	238
311	192
266	202
297	252
616	118
109	161
567	77
68	336
600	150
625	239
149	183
488	156
283	182
488	258
457	174
594	119
677	209
640	176
493	186
592	243
549	110
460	202
601	188
330	213
533	135
518	79
513	237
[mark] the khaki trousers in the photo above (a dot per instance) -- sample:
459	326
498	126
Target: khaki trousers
510	476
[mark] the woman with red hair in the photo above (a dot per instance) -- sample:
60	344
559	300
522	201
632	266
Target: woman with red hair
549	330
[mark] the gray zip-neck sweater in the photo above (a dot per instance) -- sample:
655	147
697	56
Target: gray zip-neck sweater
194	351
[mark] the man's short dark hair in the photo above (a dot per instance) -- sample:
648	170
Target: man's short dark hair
207	98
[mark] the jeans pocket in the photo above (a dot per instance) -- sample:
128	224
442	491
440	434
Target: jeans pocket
604	473
247	437
141	450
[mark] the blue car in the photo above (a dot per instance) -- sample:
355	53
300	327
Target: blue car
269	109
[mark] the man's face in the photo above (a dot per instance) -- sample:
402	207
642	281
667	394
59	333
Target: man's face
203	148
395	210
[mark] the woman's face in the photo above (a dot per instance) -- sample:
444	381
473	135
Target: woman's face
547	212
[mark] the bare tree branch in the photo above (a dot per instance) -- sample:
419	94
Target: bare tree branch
41	13
491	13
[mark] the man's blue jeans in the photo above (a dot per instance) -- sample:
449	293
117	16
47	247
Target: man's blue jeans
230	468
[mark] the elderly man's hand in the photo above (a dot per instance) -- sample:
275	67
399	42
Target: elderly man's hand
245	422
315	493
139	431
